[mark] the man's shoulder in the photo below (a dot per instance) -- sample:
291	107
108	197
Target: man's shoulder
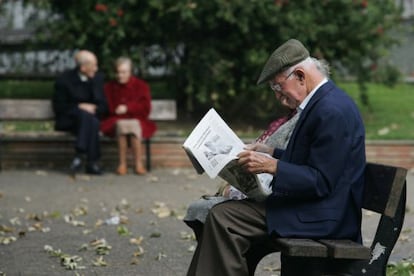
66	76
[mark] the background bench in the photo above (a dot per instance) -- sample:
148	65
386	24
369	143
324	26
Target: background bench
41	110
385	193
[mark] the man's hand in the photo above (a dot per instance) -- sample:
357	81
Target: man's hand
260	147
121	109
255	162
88	107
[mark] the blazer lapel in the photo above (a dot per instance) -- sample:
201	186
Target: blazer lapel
320	93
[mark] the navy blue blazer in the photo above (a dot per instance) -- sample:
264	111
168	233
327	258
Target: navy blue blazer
318	186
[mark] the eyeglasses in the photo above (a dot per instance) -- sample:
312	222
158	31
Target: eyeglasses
277	87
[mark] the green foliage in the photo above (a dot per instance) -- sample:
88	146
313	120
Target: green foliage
403	268
214	50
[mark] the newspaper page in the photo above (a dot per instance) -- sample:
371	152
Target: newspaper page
213	146
213	143
256	186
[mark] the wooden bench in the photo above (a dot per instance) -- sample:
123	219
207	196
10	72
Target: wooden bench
385	193
41	110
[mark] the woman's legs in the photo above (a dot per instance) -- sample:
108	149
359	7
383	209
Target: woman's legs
122	151
137	150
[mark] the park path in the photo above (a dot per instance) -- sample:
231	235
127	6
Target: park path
42	208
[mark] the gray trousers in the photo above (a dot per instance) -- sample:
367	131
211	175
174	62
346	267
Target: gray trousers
233	241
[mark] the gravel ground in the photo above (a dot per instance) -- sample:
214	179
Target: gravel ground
42	208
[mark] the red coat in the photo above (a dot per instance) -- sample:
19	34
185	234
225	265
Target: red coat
135	94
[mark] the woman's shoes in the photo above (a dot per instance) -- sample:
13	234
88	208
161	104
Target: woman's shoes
122	170
140	170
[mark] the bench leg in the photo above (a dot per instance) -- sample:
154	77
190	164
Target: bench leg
148	154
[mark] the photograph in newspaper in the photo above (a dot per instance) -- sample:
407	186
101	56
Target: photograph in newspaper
213	143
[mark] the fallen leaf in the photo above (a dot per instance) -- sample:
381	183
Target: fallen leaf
80	211
15	221
101	246
27	198
83	247
155	235
134	261
187	236
87	231
71	262
404	238
98	223
271	268
7	240
136	241
123	220
99	262
45	229
55	215
160	256
6	229
161	210
69	219
139	252
123	230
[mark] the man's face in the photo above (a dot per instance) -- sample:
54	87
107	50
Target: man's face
288	89
123	72
89	68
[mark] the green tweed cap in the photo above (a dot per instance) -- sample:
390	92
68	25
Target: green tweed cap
288	54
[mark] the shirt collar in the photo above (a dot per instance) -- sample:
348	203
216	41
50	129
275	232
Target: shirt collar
83	77
310	95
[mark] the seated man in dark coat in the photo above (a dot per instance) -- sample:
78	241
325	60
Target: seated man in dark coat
78	102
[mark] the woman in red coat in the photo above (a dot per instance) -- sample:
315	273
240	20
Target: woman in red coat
129	103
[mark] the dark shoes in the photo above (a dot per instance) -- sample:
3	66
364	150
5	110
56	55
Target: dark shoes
90	168
93	168
76	165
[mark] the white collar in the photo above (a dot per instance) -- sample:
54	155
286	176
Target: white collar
83	77
310	95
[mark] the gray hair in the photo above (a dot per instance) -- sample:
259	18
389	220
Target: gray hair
123	60
321	65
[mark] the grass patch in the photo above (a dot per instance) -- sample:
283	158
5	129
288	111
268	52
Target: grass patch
391	111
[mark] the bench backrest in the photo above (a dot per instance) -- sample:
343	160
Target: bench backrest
383	188
385	193
161	110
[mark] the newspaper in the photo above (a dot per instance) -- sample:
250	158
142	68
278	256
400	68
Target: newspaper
212	147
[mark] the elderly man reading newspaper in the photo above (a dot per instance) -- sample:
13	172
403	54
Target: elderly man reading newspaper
317	185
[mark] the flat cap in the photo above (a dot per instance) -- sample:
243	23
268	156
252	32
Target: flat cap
288	54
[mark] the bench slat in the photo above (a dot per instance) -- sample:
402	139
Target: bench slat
301	247
346	249
32	110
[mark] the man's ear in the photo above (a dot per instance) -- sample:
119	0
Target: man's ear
300	74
